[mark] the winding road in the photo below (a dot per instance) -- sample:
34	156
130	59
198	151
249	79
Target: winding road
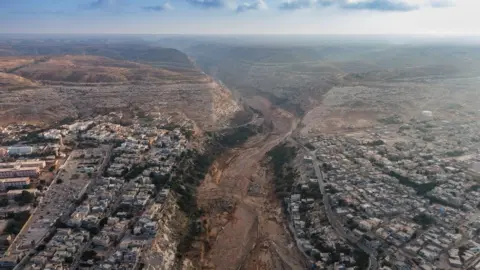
333	219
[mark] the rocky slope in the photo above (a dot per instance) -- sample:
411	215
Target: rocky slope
52	87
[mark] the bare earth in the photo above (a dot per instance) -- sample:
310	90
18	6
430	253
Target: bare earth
53	88
248	230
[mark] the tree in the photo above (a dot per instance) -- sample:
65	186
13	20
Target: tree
89	255
16	222
59	181
24	198
310	146
4	202
103	221
188	134
160	180
424	220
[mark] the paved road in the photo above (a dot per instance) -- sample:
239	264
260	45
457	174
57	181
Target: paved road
64	216
332	217
335	222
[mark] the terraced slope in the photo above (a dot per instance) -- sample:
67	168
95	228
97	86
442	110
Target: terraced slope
52	87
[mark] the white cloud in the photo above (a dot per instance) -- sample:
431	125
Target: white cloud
249	6
379	5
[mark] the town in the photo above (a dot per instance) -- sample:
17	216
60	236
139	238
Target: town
402	195
97	194
91	194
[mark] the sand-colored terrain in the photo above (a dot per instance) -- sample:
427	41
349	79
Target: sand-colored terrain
247	227
93	69
52	88
8	63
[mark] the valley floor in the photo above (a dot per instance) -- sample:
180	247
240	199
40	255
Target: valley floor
247	229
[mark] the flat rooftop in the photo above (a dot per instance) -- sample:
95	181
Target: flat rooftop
23	163
59	198
15	179
19	169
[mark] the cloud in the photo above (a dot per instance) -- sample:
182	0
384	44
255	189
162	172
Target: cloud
297	4
159	8
248	6
380	5
99	4
207	3
375	5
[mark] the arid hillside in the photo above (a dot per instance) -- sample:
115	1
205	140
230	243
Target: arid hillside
298	77
50	88
14	81
93	69
8	64
136	51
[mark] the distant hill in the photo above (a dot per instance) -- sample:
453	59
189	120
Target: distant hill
47	81
138	52
92	69
12	81
298	77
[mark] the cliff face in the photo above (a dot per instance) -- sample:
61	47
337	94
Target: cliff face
223	103
171	223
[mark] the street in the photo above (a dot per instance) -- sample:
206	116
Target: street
335	223
332	218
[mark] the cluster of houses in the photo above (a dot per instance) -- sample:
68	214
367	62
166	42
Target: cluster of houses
10	172
103	196
72	180
107	132
94	208
15	132
60	251
407	188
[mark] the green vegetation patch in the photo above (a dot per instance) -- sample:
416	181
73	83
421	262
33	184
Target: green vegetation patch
424	220
421	189
281	157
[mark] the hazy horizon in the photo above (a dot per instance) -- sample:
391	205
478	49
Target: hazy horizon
266	39
224	17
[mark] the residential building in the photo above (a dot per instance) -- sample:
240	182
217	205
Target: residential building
18	182
20	150
19	172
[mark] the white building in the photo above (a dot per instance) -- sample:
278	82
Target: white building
20	150
19	182
19	172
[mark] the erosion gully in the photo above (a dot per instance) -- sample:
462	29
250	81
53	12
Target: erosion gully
247	229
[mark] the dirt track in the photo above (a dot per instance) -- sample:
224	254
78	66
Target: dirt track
247	227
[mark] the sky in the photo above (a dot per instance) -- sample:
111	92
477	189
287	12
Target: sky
343	17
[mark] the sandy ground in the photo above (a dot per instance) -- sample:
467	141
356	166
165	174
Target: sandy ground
247	229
